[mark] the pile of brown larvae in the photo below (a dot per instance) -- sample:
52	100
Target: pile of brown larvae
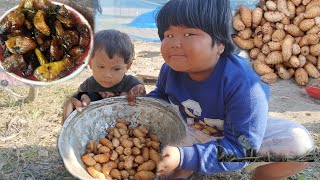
125	153
42	39
282	37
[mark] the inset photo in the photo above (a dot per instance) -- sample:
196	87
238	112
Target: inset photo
46	42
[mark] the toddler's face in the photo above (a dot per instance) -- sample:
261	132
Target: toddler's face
190	50
108	72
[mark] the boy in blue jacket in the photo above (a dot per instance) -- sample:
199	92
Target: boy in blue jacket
219	96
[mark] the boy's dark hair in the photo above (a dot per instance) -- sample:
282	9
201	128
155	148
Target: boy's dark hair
211	16
114	43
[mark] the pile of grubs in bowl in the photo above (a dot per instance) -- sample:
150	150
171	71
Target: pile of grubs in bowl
125	153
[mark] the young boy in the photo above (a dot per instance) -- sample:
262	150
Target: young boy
110	59
219	96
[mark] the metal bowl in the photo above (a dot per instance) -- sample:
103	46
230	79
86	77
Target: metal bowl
83	62
93	121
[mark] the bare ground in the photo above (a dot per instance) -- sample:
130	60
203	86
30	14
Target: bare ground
29	131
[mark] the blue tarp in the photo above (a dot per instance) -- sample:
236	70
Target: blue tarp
130	16
145	20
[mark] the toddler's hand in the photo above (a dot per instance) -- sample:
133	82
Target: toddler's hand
136	91
106	94
74	103
170	160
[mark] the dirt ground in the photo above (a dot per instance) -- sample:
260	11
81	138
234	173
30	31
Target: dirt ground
29	131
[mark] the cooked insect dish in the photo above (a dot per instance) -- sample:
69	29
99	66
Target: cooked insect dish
42	40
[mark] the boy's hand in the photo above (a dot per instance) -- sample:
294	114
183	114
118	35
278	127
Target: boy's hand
74	103
106	94
170	160
136	91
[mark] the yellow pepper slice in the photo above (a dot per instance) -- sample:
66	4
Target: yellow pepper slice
41	58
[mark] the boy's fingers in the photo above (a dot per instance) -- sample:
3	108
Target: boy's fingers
85	100
136	91
77	104
67	110
131	98
163	168
132	92
106	94
110	94
165	152
142	92
101	94
160	169
123	94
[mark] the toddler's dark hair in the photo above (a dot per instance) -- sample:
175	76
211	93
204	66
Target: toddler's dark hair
114	43
211	16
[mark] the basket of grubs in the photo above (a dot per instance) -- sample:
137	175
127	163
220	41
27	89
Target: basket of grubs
282	37
110	139
43	41
126	153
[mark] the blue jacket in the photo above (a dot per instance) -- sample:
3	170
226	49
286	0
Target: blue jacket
233	93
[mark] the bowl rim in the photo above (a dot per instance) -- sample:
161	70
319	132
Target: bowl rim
79	69
120	98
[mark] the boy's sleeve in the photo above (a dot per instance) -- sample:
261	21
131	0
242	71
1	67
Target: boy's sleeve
84	87
244	128
159	91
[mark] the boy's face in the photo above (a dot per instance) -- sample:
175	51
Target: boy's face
190	50
108	72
